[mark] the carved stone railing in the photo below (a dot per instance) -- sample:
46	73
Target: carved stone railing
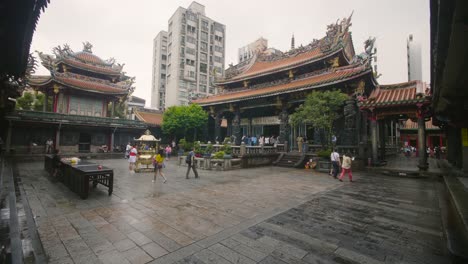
244	149
57	118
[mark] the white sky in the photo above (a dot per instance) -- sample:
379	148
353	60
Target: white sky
125	29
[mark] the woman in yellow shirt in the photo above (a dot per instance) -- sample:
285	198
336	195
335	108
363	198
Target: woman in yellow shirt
158	165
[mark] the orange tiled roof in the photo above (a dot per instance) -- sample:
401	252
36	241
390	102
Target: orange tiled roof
89	85
37	80
150	118
338	75
89	57
407	93
410	125
96	68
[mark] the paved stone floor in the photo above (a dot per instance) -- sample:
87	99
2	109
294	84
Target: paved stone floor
263	215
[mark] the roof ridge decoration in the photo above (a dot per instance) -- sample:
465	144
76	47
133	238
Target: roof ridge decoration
86	57
332	41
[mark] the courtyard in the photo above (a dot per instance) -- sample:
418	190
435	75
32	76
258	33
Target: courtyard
261	215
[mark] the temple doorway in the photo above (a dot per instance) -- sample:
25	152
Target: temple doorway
270	130
84	144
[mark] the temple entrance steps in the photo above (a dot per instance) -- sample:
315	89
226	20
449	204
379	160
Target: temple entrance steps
291	160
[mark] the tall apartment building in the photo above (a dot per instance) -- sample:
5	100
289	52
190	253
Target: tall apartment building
413	51
248	51
187	58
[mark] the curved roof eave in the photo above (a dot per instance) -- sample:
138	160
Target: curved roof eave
296	89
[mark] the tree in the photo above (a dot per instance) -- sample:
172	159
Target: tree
320	109
180	120
31	101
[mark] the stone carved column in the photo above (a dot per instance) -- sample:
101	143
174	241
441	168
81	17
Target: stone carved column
236	131
375	149
422	164
284	124
218	120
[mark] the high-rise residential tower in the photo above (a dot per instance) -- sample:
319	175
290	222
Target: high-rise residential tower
413	48
187	58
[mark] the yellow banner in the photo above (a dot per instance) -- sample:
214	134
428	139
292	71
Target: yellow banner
464	132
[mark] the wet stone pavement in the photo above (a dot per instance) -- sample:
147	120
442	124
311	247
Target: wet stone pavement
262	215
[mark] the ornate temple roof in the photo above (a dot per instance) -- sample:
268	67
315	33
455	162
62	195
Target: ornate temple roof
151	118
408	93
337	38
81	82
84	60
317	80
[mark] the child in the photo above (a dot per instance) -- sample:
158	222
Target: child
158	165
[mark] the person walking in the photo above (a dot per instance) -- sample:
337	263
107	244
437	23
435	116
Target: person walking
158	163
168	151
346	167
49	146
190	160
132	159
127	150
335	160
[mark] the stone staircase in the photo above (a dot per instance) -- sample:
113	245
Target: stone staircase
290	160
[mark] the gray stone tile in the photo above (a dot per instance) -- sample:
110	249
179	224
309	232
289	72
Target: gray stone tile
154	250
113	257
139	238
230	254
137	256
124	245
209	257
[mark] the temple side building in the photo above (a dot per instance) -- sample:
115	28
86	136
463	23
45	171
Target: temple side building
84	108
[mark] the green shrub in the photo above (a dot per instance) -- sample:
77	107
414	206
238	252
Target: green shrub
324	153
198	149
227	149
209	148
182	144
219	155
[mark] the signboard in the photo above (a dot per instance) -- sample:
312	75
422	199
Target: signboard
266	120
464	134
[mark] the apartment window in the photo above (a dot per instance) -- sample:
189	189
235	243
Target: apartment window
218	49
163	57
191	29
204	46
170	26
203	68
218	70
182	52
193	86
203	79
191	74
191	16
182	40
204	36
203	57
181	72
218	59
163	76
203	88
191	40
204	25
169	57
182	63
190	51
212	90
182	85
190	62
218	38
163	66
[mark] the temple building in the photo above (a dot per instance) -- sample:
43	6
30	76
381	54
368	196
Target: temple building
84	109
258	95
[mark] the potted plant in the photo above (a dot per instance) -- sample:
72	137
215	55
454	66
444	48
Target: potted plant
208	150
182	146
324	163
219	155
227	149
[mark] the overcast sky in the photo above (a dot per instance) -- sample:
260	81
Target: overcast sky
125	29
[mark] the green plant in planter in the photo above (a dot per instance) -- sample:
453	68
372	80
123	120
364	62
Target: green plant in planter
324	153
209	149
219	155
198	149
183	144
227	149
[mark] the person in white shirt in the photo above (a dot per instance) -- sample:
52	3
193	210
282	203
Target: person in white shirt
335	160
127	150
